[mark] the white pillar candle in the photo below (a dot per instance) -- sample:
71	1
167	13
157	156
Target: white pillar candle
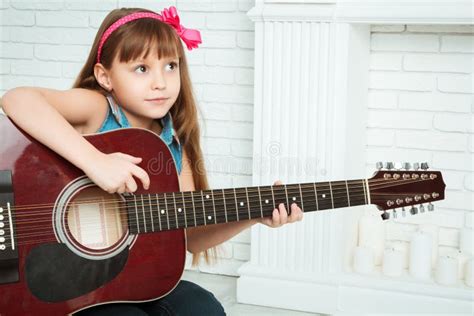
447	270
462	259
393	261
420	256
403	247
372	234
433	230
469	278
363	260
466	244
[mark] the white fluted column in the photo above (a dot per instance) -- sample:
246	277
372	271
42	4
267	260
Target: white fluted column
309	125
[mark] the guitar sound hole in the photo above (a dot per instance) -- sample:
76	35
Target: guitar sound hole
96	220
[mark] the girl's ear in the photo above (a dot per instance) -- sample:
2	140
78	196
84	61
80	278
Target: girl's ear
102	76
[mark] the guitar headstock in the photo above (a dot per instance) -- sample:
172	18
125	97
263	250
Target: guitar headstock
404	188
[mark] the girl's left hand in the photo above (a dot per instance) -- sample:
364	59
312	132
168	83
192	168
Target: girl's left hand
280	216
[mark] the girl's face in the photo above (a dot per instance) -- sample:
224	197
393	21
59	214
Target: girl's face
137	84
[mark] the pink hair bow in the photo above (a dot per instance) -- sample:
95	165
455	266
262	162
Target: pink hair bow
189	36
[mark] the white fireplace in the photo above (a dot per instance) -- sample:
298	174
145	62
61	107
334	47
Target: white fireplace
311	79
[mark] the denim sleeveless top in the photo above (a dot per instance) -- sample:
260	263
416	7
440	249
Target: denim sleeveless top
116	119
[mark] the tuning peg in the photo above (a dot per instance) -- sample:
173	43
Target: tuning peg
389	165
430	207
406	166
424	166
413	210
394	213
416	166
404	213
385	215
379	165
422	208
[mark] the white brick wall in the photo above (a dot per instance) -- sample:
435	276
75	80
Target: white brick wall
421	109
44	43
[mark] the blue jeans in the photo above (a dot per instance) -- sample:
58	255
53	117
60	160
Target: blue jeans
186	299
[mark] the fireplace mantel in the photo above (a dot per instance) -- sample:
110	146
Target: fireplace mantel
367	12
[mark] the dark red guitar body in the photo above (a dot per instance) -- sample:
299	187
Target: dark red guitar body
155	261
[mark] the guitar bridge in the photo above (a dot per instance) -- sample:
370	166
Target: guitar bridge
8	247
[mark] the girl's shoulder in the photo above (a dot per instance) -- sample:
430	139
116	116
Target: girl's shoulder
83	108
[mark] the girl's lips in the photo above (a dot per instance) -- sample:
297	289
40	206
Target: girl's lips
158	101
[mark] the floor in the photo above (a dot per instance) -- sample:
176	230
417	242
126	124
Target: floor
224	289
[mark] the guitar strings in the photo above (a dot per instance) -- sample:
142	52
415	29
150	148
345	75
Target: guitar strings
337	193
40	206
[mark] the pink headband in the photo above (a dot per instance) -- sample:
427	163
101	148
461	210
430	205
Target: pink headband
170	16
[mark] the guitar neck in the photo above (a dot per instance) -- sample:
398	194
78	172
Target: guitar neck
165	211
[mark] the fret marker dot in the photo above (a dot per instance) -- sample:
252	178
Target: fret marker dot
179	210
241	203
207	196
209	217
266	201
324	195
294	199
162	211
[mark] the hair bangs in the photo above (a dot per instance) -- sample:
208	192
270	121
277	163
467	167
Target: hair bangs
149	36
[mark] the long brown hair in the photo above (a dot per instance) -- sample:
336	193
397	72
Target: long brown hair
136	39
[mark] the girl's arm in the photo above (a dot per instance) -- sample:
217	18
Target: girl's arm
54	117
49	116
204	237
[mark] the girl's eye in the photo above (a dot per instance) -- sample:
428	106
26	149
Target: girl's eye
141	67
173	64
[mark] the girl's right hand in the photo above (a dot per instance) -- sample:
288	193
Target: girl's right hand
114	172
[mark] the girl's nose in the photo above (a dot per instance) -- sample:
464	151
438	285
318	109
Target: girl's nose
159	81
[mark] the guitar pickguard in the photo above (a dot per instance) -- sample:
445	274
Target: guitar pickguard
55	274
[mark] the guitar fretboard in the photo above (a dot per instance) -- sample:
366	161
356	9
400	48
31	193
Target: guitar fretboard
165	211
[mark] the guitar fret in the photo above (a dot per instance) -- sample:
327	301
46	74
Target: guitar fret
175	210
203	208
184	211
273	198
316	196
260	199
365	193
280	195
347	190
301	197
151	214
136	213
167	215
194	209
323	193
236	206
143	211
288	209
214	207
158	209
332	198
295	195
268	202
248	203
225	207
367	199
341	197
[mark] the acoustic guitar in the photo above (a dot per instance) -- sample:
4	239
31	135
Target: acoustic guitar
66	245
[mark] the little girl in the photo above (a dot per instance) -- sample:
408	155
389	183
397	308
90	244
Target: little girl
136	75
